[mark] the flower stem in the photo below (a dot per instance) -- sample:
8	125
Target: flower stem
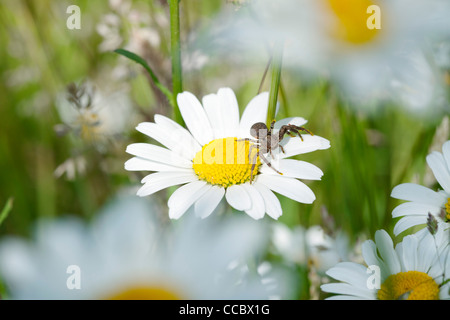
175	53
275	82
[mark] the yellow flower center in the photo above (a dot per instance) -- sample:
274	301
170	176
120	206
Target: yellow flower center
227	162
410	285
89	126
447	210
350	21
145	293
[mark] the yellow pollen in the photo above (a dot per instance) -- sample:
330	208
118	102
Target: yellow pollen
88	123
145	293
447	210
410	285
226	162
350	23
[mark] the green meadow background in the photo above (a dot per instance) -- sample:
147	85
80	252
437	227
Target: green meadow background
371	151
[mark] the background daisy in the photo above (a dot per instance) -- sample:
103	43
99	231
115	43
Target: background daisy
365	52
422	200
213	163
417	269
126	253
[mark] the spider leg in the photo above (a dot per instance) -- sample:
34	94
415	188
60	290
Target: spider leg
253	146
269	164
295	131
272	124
255	159
298	129
306	130
248	139
281	147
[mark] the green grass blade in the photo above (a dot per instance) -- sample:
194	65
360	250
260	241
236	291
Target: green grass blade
142	62
275	83
6	210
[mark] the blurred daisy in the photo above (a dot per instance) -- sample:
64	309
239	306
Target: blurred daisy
310	247
127	254
417	269
93	114
214	161
358	44
423	200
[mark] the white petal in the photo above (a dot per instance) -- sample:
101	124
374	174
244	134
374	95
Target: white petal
428	261
157	181
271	202
385	247
256	111
407	222
288	187
408	250
238	198
294	169
350	272
257	208
209	201
229	110
347	289
370	255
418	193
298	121
185	196
195	117
185	143
178	140
140	164
438	165
158	154
212	108
295	146
446	153
414	209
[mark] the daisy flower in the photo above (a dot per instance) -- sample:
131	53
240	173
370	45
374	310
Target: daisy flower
417	269
310	247
359	44
213	160
422	200
94	114
125	253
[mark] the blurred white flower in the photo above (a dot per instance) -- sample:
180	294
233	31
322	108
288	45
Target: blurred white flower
418	83
131	28
71	168
95	114
310	247
422	200
214	161
417	269
109	30
126	253
442	54
332	38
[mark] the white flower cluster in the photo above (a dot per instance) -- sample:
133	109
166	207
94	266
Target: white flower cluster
419	266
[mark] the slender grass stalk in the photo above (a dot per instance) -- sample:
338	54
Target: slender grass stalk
175	53
6	210
275	82
266	70
287	112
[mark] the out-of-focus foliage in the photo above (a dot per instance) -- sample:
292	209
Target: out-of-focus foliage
51	167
